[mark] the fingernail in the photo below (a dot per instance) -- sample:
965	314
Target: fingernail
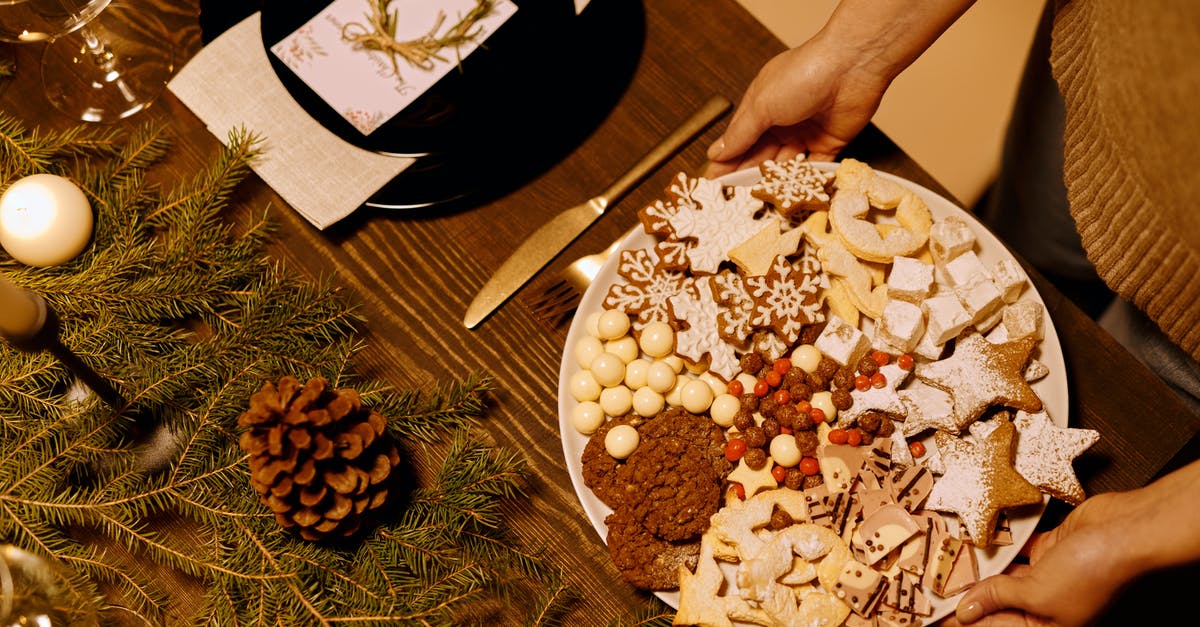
970	612
715	150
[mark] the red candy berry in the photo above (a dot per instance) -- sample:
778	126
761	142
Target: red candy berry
853	437
837	436
782	365
785	430
878	380
773	378
804	406
734	449
817	415
917	448
905	362
761	388
735	388
862	382
783	397
810	466
738	490
880	357
779	472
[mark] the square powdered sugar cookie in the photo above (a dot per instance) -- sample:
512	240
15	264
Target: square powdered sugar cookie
945	317
1009	278
1024	319
901	325
964	269
980	298
910	279
842	342
949	238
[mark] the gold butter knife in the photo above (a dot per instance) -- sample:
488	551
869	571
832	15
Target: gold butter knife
550	239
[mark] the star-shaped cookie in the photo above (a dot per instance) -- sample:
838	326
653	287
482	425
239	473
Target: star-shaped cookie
1045	452
885	399
981	374
980	480
928	408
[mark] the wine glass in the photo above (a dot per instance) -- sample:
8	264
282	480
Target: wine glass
103	60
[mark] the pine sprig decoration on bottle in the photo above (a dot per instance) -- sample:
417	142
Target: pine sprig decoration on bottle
319	460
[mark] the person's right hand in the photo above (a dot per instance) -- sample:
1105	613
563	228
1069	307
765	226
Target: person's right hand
809	100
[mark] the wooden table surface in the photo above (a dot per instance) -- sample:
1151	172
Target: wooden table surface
413	275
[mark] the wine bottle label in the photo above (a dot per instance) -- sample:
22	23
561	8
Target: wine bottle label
369	65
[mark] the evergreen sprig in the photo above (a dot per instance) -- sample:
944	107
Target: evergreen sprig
183	311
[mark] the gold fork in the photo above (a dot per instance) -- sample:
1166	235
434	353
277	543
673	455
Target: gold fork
558	301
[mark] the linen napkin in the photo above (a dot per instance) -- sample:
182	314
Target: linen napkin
229	84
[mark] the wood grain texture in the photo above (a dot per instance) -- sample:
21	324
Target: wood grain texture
411	276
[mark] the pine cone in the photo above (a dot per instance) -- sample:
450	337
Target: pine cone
318	458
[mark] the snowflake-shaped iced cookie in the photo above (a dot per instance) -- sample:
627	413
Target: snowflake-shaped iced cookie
716	222
786	297
645	287
698	309
792	185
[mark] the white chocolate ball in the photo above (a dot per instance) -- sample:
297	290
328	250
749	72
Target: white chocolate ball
637	373
824	402
806	357
675	394
616	401
612	324
724	408
586	350
660	377
647	402
784	450
608	369
591	323
748	382
587	417
696	396
718	386
626	348
584	386
658	339
620	441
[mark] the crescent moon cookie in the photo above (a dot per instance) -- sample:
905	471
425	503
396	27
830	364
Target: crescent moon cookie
980	481
858	189
981	374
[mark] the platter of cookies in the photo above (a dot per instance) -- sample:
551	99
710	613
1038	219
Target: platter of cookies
813	392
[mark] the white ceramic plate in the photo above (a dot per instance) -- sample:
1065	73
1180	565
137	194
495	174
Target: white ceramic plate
1052	389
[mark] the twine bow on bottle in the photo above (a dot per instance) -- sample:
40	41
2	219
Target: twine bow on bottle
380	34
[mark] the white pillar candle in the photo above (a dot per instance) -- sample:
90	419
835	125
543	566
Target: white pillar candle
22	313
45	220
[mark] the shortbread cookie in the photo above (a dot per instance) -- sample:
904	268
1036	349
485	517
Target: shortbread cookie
755	255
1045	452
980	480
792	186
979	375
858	190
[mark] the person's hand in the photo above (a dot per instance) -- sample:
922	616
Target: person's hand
808	100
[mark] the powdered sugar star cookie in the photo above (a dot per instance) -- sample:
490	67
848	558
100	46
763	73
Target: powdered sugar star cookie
928	408
1045	452
980	481
980	374
885	399
698	310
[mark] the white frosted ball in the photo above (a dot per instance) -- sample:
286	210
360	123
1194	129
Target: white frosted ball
637	373
718	386
658	339
586	350
587	417
660	377
806	357
747	380
584	386
724	408
648	403
675	361
784	450
620	441
696	396
616	401
590	324
608	369
626	348
824	402
612	324
675	394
